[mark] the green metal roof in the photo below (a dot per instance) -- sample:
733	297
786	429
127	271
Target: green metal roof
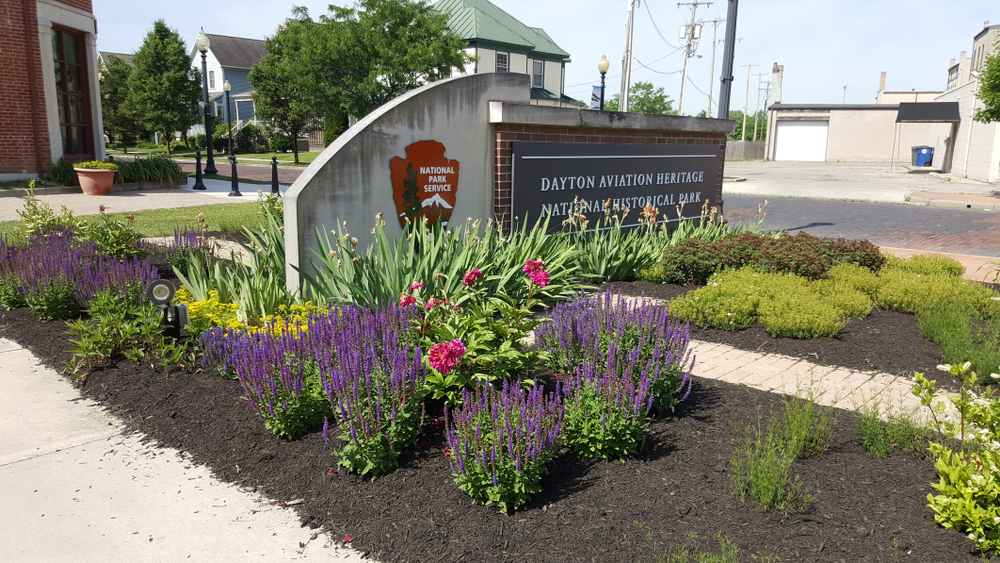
543	94
480	20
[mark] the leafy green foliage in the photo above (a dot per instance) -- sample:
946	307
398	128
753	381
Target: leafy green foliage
156	168
280	98
386	269
898	432
786	306
96	165
593	430
37	217
62	173
763	456
120	120
802	254
644	98
968	498
10	297
492	329
367	56
294	416
55	300
164	88
121	327
116	237
989	90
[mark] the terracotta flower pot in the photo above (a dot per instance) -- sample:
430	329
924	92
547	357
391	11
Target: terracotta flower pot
95	182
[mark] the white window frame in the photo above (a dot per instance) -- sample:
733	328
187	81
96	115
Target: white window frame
506	62
211	80
537	78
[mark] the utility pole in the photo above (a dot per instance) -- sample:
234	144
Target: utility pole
845	95
746	104
627	58
756	119
687	49
711	75
726	89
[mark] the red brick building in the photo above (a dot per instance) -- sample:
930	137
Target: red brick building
51	103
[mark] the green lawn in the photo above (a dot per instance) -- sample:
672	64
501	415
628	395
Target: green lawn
228	217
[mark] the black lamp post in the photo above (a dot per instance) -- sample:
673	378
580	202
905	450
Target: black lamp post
202	44
602	66
229	115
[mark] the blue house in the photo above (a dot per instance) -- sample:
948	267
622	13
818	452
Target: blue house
230	58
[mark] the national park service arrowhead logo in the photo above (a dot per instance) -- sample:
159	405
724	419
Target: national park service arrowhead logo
424	183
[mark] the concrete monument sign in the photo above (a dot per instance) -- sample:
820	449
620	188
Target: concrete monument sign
434	128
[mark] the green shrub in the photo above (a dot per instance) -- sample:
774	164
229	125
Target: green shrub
799	315
908	292
62	173
856	277
249	139
843	297
281	144
966	331
928	264
196	141
802	254
10	297
785	305
96	165
156	168
55	300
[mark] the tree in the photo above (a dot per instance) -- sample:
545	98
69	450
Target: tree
378	50
281	93
164	88
989	89
643	98
120	120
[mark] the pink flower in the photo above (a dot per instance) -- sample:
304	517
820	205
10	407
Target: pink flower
533	266
130	217
406	300
540	278
347	538
471	276
444	356
101	208
431	303
415	286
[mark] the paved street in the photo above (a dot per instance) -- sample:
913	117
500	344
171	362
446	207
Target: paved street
954	231
860	181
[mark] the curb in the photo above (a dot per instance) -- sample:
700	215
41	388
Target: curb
115	188
955	204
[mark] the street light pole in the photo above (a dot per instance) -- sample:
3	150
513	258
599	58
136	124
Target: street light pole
229	116
203	44
602	67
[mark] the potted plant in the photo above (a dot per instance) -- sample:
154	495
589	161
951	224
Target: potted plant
95	176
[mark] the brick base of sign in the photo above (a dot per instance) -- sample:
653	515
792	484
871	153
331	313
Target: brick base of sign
508	133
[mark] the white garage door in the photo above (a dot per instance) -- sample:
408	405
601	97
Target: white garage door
801	140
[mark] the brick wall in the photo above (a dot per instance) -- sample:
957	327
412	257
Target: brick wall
85	5
506	134
24	138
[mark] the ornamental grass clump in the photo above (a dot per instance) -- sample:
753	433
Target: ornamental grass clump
374	378
501	442
632	338
278	380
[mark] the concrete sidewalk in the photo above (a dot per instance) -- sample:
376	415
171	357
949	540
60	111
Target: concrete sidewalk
76	489
217	192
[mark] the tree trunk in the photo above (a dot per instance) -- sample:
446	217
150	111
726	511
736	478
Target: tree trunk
295	147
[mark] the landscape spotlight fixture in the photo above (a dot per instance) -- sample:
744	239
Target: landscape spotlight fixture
161	292
602	67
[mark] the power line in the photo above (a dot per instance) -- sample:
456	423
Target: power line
658	29
688	53
653	69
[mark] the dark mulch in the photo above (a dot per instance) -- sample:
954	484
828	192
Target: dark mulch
866	510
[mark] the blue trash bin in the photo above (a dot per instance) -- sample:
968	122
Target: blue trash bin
922	156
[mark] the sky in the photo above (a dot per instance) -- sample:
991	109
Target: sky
823	45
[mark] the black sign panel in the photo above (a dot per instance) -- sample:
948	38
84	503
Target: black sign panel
548	176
